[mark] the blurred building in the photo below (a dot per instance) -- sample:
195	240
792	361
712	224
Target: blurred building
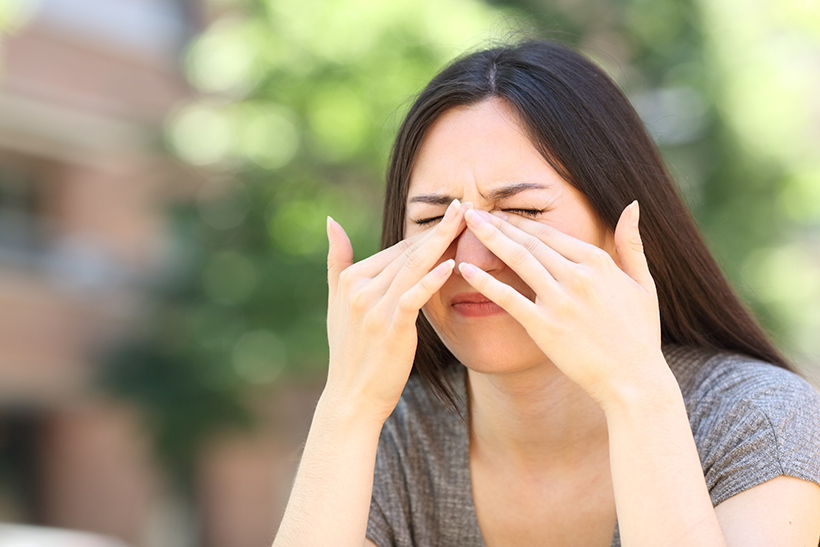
84	88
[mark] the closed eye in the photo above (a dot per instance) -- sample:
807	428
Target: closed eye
530	213
429	220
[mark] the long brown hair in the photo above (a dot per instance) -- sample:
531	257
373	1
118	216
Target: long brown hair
588	131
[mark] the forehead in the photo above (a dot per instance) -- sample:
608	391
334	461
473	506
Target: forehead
476	150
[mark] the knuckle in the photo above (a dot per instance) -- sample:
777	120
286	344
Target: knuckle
406	303
562	306
581	280
425	285
599	257
631	245
372	322
442	229
489	232
532	244
519	256
544	232
404	245
346	278
359	300
414	260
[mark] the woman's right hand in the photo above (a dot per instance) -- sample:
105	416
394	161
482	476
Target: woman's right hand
372	311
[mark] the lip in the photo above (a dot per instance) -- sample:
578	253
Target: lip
474	304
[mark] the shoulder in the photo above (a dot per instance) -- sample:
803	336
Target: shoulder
716	382
751	421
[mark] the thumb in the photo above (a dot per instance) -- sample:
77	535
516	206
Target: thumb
339	255
629	247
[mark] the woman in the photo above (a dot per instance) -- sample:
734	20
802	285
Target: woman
594	384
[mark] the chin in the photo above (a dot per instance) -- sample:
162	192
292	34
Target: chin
495	346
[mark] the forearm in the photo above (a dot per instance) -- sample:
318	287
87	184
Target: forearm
660	493
330	500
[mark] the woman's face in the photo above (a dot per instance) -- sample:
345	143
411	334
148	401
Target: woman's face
481	154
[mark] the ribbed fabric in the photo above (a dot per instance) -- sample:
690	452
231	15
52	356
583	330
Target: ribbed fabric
751	422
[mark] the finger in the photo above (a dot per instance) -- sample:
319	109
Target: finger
570	248
376	264
513	302
629	247
518	257
373	265
414	299
339	255
555	263
417	260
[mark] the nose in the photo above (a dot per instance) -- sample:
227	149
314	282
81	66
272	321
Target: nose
470	249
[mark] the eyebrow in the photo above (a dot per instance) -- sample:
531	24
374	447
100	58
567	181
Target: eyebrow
497	194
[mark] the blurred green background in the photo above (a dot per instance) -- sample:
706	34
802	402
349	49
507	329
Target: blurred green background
299	101
293	108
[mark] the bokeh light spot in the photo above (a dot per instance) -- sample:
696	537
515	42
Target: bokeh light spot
298	228
200	134
259	357
269	136
223	59
339	120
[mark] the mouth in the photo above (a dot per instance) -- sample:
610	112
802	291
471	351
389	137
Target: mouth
474	305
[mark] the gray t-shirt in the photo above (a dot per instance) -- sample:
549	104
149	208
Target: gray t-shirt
751	422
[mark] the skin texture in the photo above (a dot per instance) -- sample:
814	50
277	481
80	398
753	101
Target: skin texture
574	412
481	160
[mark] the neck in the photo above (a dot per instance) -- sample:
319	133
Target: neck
534	419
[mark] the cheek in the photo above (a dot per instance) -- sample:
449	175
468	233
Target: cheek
433	311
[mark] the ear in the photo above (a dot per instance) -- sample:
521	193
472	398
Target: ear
629	247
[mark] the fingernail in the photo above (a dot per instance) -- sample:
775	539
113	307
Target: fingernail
634	213
466	269
501	214
451	210
473	216
445	267
467	205
327	225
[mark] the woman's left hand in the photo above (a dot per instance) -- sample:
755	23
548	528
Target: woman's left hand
597	322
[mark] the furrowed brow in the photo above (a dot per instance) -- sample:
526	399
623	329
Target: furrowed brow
496	194
510	190
432	199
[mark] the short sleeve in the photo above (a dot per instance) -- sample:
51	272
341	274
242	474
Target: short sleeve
753	422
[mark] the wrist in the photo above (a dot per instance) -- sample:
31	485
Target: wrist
653	389
346	415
